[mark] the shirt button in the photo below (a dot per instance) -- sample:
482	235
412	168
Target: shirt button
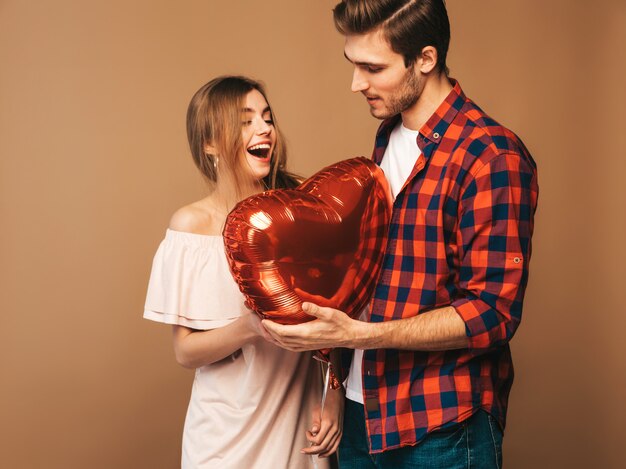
517	260
369	372
436	135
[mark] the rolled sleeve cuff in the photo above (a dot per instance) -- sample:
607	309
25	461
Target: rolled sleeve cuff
483	324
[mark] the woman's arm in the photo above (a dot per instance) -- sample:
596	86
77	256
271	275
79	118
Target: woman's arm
195	348
198	348
325	436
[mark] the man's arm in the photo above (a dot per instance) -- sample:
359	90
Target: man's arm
496	218
439	329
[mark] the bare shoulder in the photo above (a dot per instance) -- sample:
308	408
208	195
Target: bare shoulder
187	218
198	218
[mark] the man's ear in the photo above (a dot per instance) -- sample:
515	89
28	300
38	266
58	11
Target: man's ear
428	60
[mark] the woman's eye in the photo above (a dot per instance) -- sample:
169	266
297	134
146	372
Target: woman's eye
269	121
246	123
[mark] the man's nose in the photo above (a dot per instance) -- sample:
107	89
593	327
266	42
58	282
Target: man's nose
359	83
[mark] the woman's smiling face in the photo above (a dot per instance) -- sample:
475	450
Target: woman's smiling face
258	134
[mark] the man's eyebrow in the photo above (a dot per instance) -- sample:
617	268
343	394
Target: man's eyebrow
248	109
363	64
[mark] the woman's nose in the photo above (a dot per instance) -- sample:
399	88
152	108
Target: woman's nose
263	128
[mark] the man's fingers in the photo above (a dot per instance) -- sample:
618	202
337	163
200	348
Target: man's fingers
315	299
265	333
282	330
278	336
311	309
271	326
312	335
314	310
276	330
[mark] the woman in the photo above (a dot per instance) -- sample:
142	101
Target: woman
251	402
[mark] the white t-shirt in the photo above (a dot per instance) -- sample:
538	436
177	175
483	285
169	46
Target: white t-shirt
400	157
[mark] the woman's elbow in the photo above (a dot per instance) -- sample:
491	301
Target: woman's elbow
184	362
187	362
182	353
183	358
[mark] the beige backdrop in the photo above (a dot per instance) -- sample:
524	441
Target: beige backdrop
94	161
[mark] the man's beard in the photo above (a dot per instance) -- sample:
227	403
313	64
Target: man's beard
404	98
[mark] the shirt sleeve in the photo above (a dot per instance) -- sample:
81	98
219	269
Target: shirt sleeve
191	284
494	243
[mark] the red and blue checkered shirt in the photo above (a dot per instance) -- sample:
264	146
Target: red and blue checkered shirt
460	236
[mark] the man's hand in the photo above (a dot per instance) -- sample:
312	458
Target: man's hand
332	328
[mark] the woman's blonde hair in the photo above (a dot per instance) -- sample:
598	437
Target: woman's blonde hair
214	119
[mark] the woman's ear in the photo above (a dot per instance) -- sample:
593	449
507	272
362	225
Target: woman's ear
210	150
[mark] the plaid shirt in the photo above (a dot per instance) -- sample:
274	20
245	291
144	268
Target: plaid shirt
459	236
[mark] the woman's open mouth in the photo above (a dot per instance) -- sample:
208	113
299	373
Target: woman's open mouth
260	150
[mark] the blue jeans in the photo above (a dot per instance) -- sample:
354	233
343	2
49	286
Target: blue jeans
475	443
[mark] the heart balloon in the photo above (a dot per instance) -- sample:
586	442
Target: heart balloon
321	242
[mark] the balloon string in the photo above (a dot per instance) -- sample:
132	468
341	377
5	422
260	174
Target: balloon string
324	357
324	393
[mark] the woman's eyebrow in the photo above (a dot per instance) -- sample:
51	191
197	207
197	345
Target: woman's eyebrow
248	109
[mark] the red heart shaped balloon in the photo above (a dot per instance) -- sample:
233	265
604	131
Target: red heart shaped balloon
322	242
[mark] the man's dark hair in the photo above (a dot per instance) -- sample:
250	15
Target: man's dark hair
408	25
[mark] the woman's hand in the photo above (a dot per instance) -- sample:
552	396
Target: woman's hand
326	435
254	327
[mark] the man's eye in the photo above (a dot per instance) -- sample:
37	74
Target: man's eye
374	69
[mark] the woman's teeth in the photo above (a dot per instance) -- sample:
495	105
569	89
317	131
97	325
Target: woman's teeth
260	151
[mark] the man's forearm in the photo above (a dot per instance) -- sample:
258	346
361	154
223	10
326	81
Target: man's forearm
439	329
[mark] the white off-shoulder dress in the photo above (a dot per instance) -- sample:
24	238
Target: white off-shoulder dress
251	409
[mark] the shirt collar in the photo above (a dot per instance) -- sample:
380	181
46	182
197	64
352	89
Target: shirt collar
436	126
438	123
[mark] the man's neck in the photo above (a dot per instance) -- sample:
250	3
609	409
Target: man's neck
436	90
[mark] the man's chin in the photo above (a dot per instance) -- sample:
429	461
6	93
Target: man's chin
380	113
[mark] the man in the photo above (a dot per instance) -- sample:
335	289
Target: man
431	374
